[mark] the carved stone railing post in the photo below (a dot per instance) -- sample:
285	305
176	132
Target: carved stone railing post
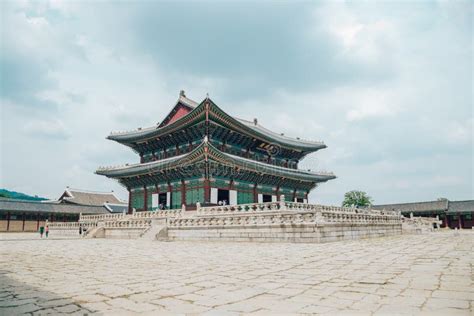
282	203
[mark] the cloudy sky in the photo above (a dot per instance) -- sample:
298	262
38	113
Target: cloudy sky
387	86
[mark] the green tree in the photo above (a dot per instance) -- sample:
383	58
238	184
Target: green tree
357	198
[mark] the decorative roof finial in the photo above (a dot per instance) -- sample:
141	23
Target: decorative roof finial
207	95
181	93
255	121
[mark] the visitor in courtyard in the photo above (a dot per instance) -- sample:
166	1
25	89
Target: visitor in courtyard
80	230
47	231
41	230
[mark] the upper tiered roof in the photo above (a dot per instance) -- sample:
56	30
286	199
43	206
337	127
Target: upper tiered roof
187	112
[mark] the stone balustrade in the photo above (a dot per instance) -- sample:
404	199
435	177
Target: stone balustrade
101	217
420	224
141	223
70	225
277	213
240	208
158	214
135	215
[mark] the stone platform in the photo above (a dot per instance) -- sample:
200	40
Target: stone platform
412	274
257	222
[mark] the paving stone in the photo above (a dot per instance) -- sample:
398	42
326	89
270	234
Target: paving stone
67	308
437	303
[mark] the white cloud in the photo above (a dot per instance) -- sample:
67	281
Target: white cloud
401	129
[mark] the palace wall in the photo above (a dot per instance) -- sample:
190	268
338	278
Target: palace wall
310	233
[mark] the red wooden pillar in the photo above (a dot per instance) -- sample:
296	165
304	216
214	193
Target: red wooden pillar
23	225
277	192
294	195
255	194
207	191
37	221
306	197
130	211
183	192
141	157
461	222
170	190
145	196
8	221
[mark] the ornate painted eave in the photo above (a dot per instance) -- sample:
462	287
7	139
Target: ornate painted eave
207	150
216	114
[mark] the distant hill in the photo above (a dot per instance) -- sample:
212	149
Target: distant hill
19	196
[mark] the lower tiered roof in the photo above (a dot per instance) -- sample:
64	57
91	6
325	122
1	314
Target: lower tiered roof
207	152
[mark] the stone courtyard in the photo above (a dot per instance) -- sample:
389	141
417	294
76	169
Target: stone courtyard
407	274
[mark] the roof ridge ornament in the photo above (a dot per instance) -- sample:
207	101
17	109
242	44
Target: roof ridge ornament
182	93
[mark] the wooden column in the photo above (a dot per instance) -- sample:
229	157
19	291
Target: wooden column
183	192
145	196
8	221
277	192
141	157
23	225
170	190
207	191
255	194
130	211
461	223
294	195
37	221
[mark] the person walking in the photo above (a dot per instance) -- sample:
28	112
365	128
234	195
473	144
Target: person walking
80	230
47	231
41	231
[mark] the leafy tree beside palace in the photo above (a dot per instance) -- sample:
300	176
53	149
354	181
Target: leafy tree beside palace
357	198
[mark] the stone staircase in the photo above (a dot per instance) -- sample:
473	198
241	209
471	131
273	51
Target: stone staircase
157	231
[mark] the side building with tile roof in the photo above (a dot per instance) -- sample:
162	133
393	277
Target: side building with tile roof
28	216
454	214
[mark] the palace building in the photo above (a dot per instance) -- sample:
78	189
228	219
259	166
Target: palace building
199	153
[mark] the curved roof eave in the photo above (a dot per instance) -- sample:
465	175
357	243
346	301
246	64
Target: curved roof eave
154	166
296	174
